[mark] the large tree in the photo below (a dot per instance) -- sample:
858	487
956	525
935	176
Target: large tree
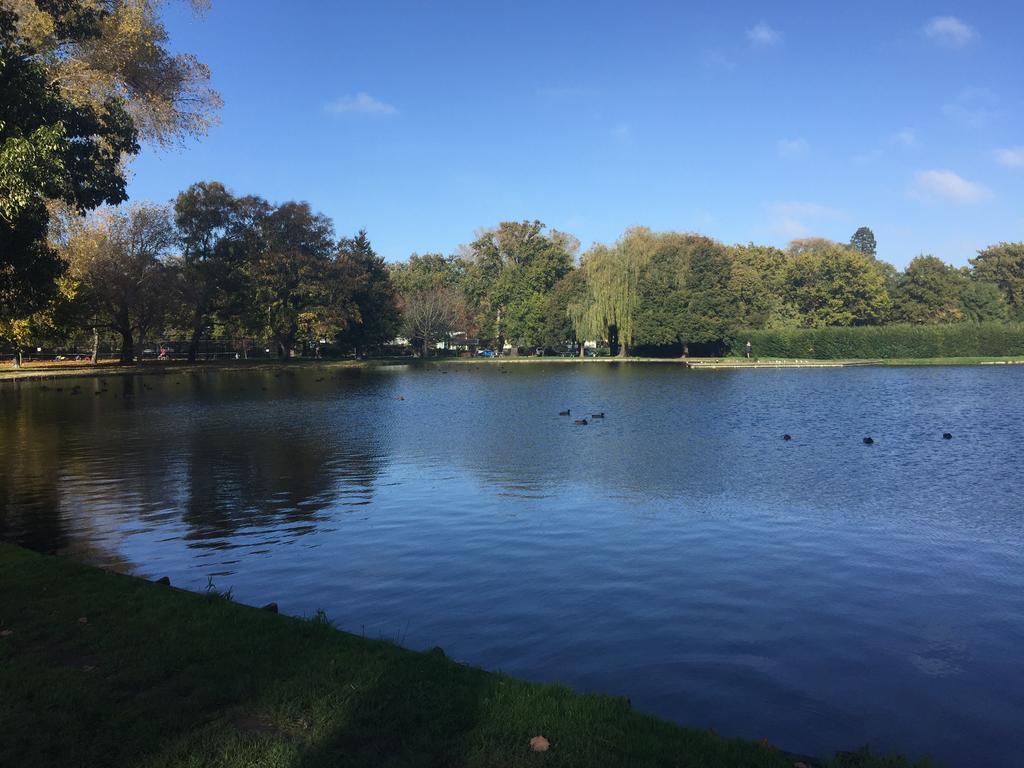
831	284
431	315
982	302
296	283
710	315
511	269
80	80
757	285
377	320
608	309
929	291
51	151
863	241
558	327
1003	264
218	237
97	50
427	271
119	261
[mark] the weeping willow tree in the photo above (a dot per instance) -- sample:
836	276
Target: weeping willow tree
612	275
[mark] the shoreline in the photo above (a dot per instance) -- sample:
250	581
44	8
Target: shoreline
114	669
47	371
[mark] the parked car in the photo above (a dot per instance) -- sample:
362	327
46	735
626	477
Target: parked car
485	353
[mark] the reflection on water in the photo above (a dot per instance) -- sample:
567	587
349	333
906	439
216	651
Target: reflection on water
819	592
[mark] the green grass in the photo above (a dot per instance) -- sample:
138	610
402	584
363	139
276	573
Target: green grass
954	361
892	361
101	669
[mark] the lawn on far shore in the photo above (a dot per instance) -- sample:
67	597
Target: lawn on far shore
54	369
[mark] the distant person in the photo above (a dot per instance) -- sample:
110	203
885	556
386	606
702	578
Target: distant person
749	350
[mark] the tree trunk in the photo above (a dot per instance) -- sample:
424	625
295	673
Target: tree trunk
139	346
127	346
686	351
95	346
193	344
17	358
623	350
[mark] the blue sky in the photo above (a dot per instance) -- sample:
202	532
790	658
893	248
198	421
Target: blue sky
747	121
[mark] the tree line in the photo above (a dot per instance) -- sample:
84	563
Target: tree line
668	291
83	82
214	264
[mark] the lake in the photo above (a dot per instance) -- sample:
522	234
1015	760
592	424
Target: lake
819	592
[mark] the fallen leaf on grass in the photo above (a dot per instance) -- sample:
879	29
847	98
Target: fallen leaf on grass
539	744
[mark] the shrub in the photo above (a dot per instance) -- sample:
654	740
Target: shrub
889	341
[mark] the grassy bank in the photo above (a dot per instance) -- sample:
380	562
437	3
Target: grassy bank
101	669
954	361
56	370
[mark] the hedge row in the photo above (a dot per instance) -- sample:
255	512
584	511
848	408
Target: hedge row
888	341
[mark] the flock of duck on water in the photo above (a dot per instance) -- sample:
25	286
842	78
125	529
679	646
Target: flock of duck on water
787	437
76	389
582	422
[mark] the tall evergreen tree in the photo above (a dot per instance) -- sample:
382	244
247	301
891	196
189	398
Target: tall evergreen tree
377	320
863	240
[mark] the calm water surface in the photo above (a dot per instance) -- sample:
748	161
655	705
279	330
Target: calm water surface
819	592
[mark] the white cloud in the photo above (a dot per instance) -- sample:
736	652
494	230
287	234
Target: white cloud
949	186
1011	157
360	104
792	147
950	31
763	35
907	138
